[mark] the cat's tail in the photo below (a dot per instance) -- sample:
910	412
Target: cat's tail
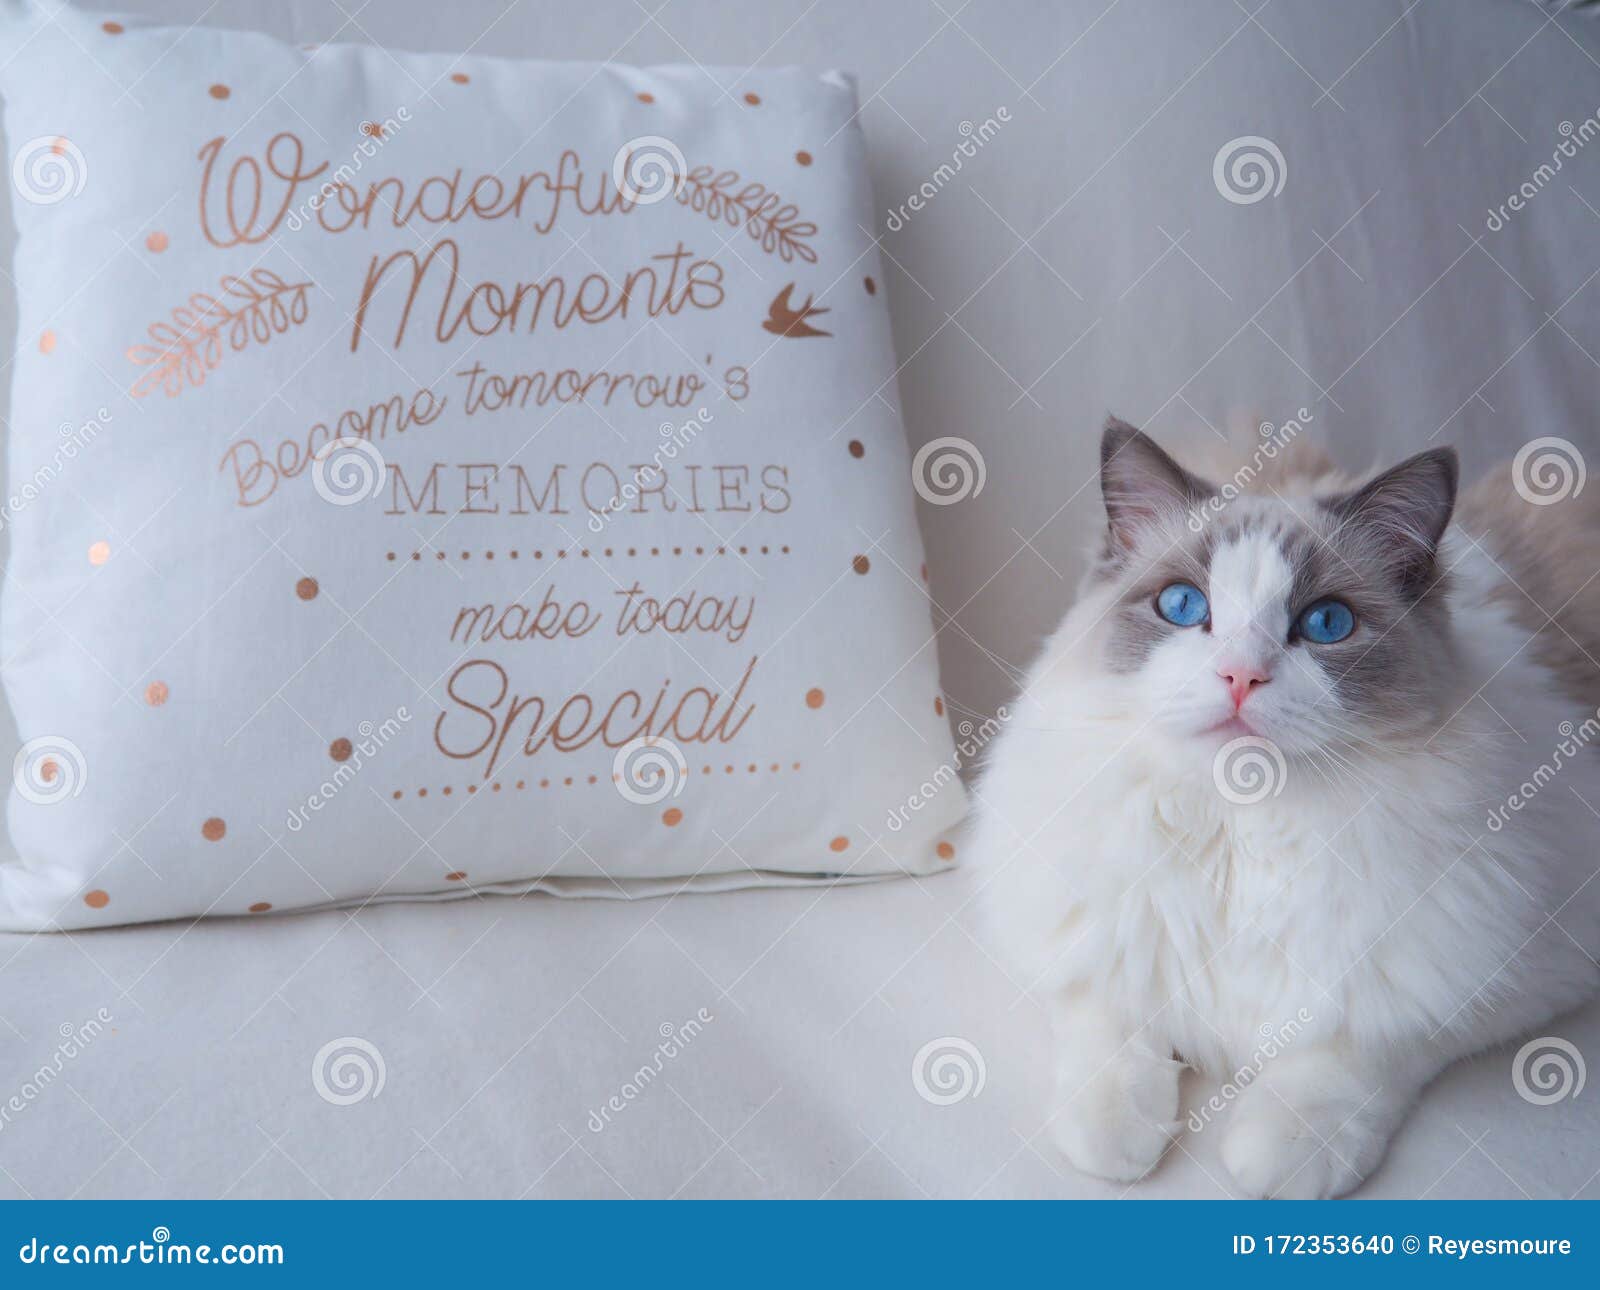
1542	527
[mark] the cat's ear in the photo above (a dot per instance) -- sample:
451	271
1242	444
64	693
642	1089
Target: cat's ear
1141	484
1408	508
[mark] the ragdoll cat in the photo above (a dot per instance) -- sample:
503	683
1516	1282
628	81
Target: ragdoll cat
1257	784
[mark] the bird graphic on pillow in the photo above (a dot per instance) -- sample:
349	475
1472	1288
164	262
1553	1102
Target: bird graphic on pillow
783	319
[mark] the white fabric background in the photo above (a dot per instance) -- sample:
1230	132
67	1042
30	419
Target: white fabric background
1039	287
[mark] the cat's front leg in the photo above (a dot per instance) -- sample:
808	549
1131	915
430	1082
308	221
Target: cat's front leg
1116	1094
1315	1123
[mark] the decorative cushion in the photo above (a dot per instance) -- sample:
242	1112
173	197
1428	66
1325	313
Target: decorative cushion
431	475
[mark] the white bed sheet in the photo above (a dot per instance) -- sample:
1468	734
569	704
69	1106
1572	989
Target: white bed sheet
504	1024
1081	261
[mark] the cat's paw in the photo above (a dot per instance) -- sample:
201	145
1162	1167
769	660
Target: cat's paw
1118	1123
1279	1151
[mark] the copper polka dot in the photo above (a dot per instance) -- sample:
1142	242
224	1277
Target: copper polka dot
111	28
754	100
861	564
48	770
219	91
460	78
803	157
814	698
99	553
260	907
47	342
157	242
839	844
156	693
857	448
96	899
455	876
213	829
870	285
945	851
306	588
372	129
646	97
924	572
671	816
340	749
938	707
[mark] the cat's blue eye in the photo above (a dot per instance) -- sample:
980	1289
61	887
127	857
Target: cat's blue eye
1327	622
1182	604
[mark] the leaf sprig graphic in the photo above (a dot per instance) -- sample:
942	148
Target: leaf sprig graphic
774	223
206	328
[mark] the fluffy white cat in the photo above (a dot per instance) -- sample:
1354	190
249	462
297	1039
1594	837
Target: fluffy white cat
1264	772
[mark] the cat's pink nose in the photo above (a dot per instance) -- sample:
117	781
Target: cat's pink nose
1240	679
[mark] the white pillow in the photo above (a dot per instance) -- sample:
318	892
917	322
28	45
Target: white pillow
324	590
